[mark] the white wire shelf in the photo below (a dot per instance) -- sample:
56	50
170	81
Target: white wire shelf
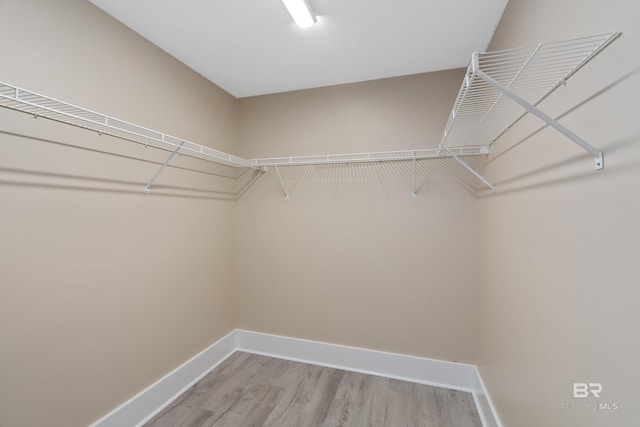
384	156
19	99
455	153
501	87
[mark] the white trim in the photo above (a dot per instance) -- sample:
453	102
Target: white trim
453	375
457	376
146	404
484	404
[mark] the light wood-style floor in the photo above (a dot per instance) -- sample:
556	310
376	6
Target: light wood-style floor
248	390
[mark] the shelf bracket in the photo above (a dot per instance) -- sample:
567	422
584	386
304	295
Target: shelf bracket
413	193
284	189
164	165
599	160
469	168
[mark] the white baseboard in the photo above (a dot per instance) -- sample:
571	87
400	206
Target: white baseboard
484	404
146	404
457	376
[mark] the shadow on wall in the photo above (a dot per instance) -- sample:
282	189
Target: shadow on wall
362	176
24	177
630	164
569	111
522	182
355	176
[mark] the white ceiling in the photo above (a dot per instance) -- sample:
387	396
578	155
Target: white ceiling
252	47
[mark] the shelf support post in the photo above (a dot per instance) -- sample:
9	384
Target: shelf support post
284	189
469	168
413	193
599	160
164	165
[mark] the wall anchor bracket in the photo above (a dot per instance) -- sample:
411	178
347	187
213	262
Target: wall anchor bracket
284	189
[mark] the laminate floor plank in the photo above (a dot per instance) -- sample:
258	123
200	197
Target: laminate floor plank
360	401
184	416
248	390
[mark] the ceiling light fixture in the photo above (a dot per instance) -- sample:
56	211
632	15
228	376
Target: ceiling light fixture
300	11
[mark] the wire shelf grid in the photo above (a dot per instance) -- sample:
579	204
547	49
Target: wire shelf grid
481	113
18	99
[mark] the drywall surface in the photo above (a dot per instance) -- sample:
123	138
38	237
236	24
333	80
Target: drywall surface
351	258
559	291
103	290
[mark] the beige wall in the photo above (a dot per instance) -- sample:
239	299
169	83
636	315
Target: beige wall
559	295
351	258
103	290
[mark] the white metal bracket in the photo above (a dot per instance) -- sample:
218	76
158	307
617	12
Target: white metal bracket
284	189
599	160
164	165
469	168
413	193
